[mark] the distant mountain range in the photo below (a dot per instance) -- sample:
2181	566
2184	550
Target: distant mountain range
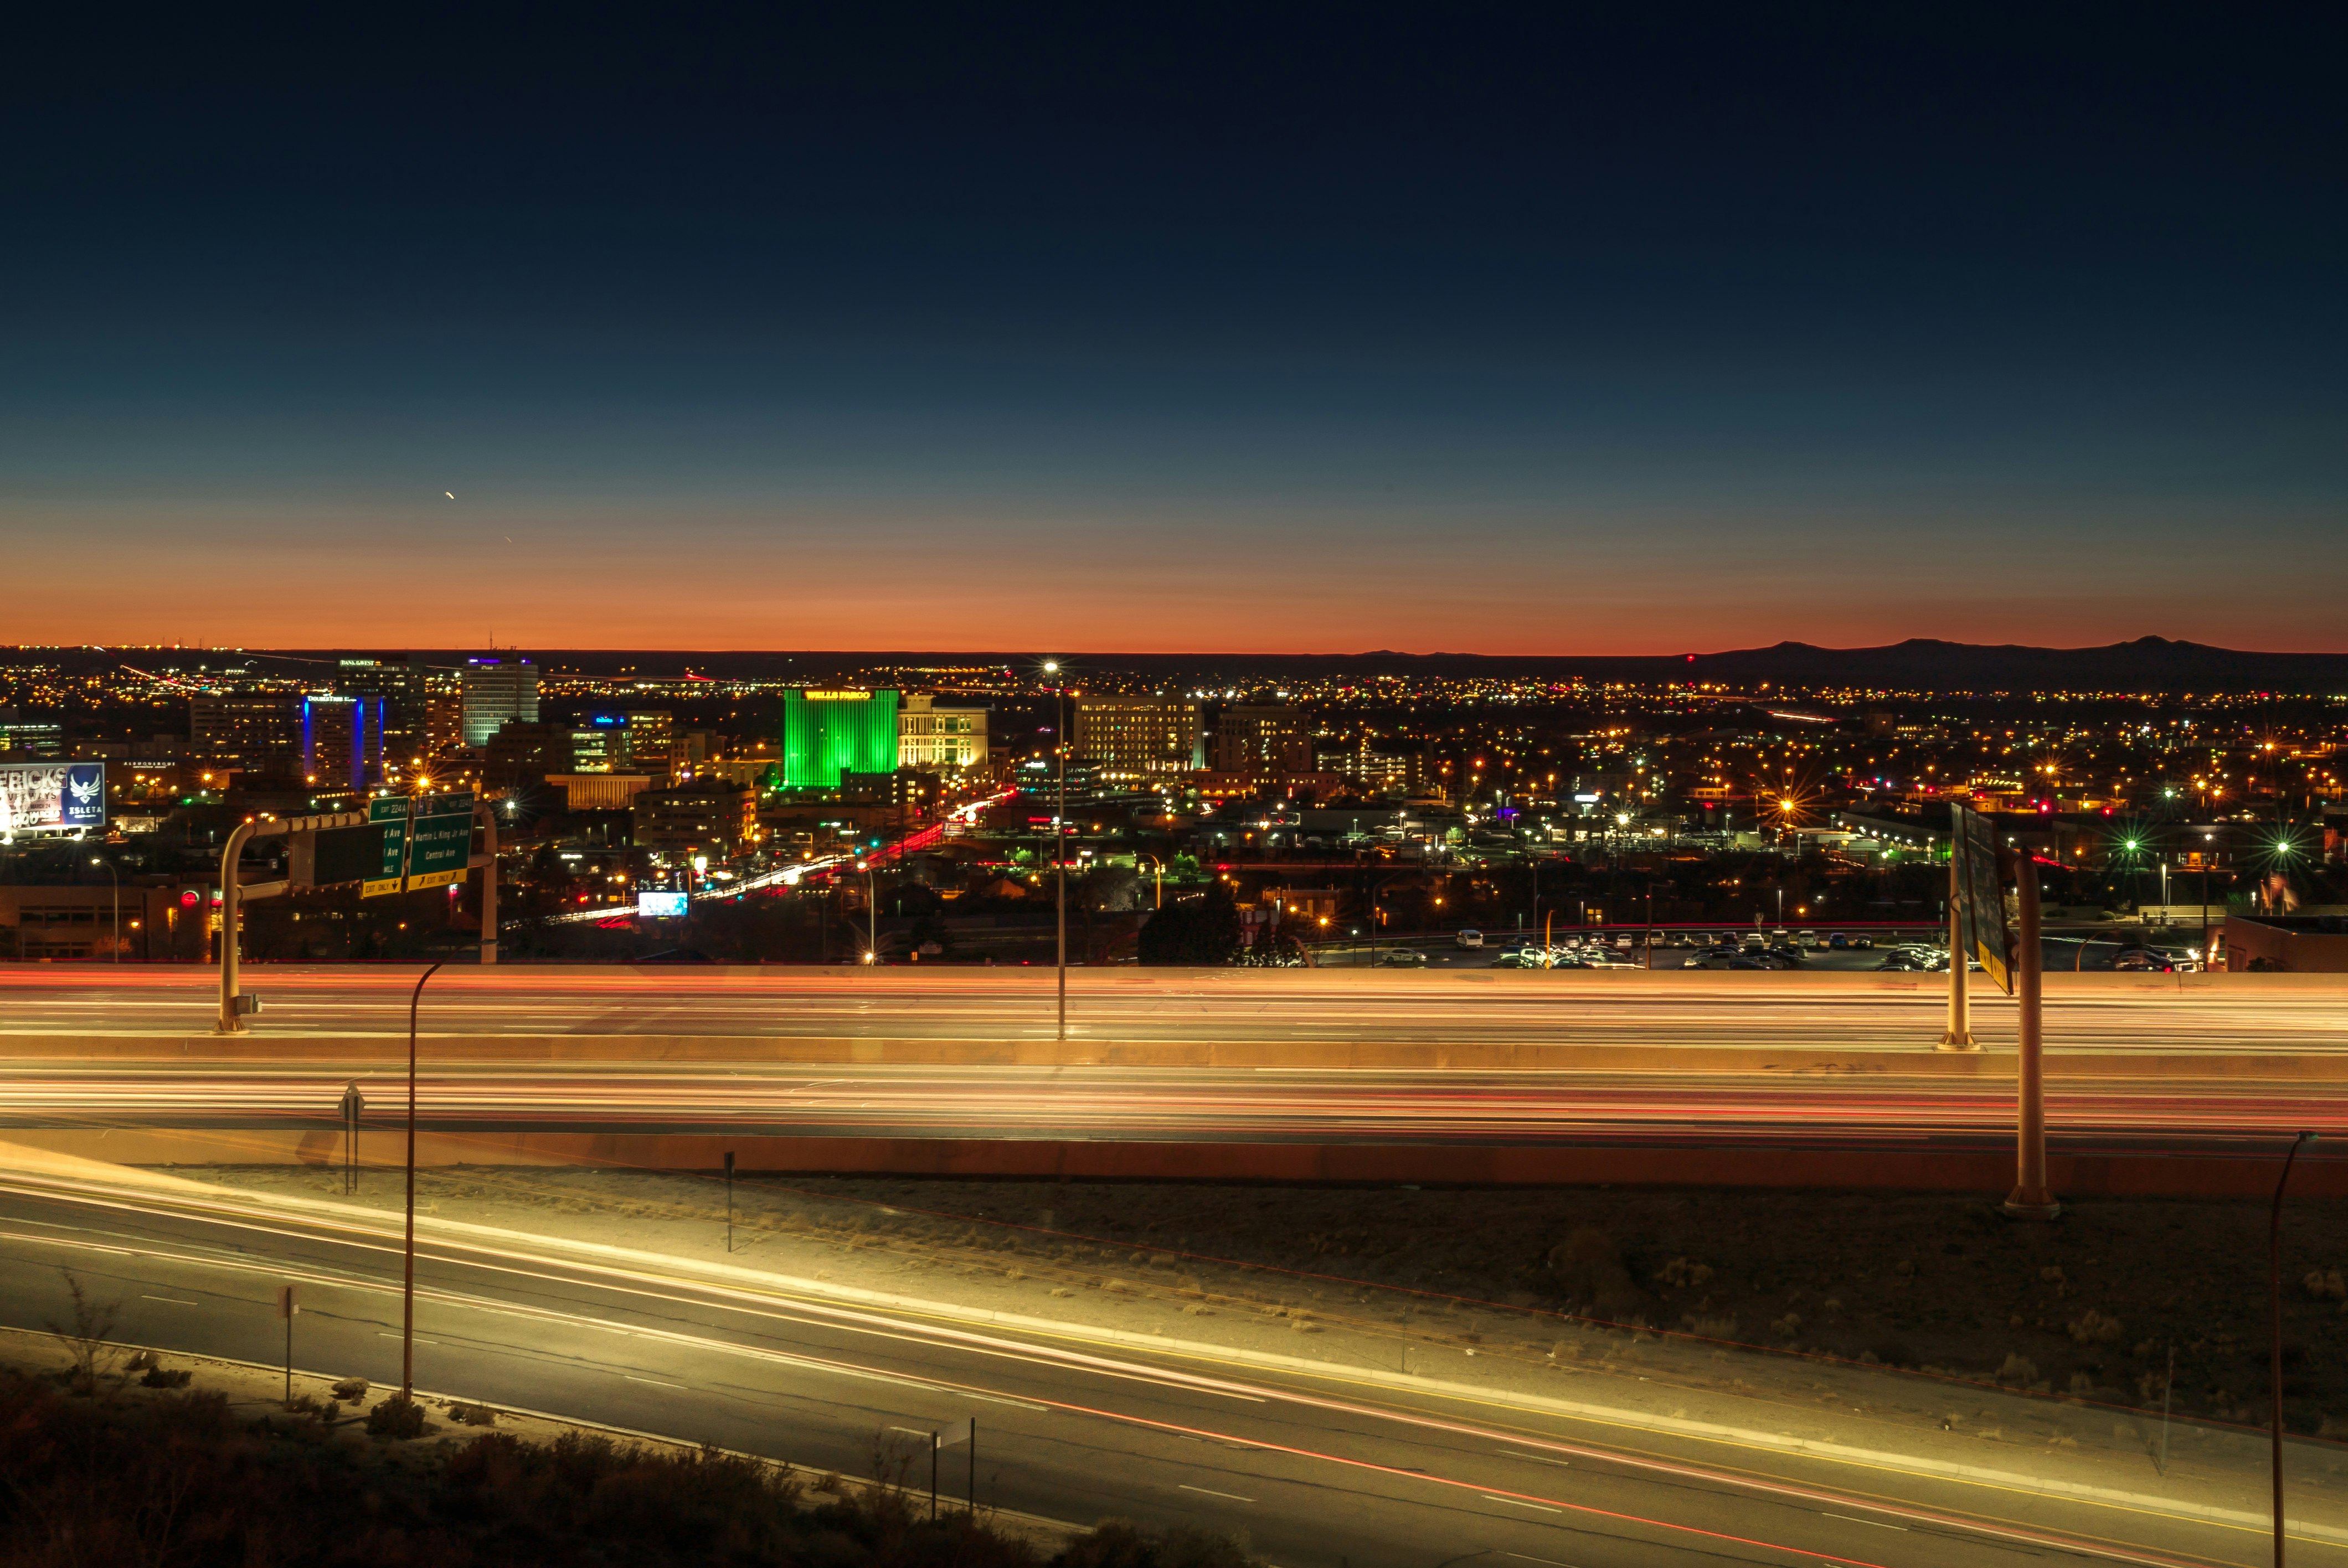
1919	664
2146	664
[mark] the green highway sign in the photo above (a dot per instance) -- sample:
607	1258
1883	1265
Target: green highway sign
428	842
440	842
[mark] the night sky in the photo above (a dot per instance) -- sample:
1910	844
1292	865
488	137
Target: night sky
1251	328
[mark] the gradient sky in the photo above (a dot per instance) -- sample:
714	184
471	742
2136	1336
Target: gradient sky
1272	328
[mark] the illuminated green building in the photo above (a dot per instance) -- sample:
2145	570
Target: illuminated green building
827	733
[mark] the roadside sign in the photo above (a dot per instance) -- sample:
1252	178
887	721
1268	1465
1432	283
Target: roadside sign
426	842
440	841
1980	897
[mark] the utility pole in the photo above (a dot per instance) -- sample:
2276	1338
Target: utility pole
1960	1033
2030	1198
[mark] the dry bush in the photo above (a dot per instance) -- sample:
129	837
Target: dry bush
397	1417
89	1339
2018	1368
2091	1327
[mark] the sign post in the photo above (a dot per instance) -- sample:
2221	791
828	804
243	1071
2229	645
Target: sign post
2030	1198
963	1431
286	1308
2010	955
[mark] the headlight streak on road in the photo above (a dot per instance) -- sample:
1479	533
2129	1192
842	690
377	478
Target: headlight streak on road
1523	1110
766	1305
1841	1011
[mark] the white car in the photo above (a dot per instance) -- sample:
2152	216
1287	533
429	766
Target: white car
1468	937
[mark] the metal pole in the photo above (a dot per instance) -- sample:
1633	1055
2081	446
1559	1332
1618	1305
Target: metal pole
489	886
230	1020
2274	1300
407	1280
872	912
1060	861
2030	1198
2169	1384
1959	1035
974	1466
116	878
933	1478
729	1202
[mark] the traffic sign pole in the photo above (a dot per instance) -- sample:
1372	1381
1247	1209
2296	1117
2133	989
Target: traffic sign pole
2030	1198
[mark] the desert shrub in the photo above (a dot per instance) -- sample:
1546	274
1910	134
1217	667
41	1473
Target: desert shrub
397	1417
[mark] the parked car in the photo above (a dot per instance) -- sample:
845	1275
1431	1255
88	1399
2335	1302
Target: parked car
1837	942
1468	937
1402	958
1807	940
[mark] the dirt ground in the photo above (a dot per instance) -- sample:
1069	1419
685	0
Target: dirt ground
2091	1303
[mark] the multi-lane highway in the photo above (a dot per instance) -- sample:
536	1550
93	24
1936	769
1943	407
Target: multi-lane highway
1204	1105
1318	1451
1844	1012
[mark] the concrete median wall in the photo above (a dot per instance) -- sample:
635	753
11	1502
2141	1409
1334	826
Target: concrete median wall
1990	1173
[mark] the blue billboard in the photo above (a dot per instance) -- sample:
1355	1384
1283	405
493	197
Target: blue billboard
657	904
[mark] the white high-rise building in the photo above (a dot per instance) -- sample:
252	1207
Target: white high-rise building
497	689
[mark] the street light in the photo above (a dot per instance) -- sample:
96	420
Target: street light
407	1280
117	878
2274	1303
1059	844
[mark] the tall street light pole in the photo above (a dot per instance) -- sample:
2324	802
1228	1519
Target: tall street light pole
2274	1303
407	1272
117	878
1060	842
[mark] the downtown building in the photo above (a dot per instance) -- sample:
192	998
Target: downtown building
828	733
498	690
1132	739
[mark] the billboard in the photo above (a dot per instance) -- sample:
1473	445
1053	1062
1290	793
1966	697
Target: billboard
1983	930
658	904
52	795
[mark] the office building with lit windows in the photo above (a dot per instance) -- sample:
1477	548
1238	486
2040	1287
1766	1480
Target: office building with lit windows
497	690
938	739
1138	737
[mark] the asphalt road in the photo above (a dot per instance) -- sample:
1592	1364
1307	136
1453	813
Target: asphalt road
1190	1104
1845	1012
1320	1467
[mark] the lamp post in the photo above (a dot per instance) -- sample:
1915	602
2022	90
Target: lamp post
407	1269
871	915
2274	1303
1059	845
117	878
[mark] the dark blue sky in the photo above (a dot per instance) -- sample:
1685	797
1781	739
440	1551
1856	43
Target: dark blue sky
1295	328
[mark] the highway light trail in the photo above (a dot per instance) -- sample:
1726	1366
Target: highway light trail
662	1288
1200	1104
